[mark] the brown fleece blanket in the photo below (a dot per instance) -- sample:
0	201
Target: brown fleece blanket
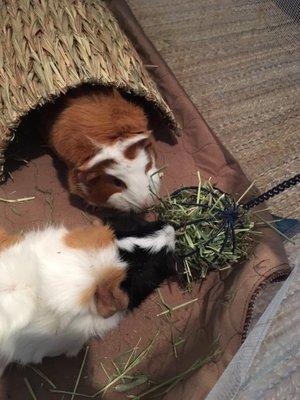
219	317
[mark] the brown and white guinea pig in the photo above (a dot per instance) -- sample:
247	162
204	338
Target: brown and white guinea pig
59	288
148	248
104	140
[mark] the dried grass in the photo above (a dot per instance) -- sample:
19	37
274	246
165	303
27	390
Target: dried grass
159	389
30	390
21	200
125	380
50	46
212	231
121	380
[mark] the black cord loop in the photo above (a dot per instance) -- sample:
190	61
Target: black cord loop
272	192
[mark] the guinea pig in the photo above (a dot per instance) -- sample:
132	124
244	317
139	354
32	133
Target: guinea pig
58	288
148	248
106	145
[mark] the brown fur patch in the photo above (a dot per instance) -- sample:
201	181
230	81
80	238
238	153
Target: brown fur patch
147	144
149	166
7	240
110	298
99	187
89	119
97	167
79	124
132	150
91	237
87	295
108	295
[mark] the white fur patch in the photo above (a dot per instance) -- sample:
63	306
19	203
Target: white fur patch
153	243
113	151
19	282
42	281
132	172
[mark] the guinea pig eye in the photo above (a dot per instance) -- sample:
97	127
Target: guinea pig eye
119	183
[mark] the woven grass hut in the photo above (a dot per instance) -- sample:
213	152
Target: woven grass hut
50	46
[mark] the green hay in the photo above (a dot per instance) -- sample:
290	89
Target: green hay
30	390
162	388
43	376
15	211
198	217
125	379
121	377
170	310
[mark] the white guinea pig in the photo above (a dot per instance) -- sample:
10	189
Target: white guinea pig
58	288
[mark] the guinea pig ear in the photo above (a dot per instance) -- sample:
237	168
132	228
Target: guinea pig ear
87	172
147	140
109	296
143	142
86	176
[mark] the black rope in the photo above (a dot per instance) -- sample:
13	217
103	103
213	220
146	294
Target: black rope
272	192
251	203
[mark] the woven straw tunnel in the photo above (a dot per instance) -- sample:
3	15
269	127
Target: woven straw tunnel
50	46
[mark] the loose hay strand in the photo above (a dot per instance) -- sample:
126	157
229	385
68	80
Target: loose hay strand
170	310
275	229
43	376
80	372
30	390
137	381
132	362
168	384
16	200
245	193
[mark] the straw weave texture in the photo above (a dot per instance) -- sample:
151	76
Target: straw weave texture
238	60
50	46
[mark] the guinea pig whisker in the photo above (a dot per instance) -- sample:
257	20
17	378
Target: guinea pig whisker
133	203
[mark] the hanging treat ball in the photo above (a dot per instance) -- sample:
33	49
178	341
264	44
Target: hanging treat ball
212	230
